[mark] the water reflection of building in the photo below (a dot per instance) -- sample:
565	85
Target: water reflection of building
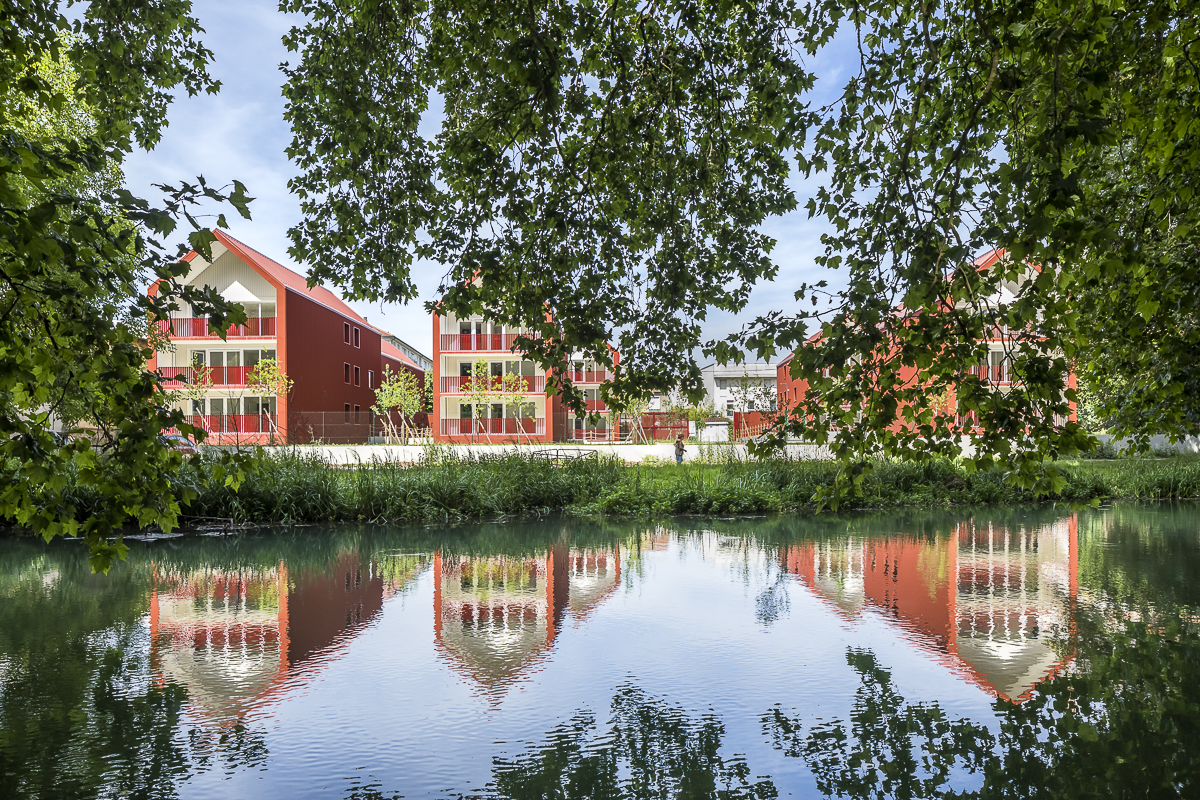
234	638
495	618
983	599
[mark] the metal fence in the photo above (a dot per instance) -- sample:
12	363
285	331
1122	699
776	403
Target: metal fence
653	426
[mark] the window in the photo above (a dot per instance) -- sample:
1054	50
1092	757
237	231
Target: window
346	372
356	377
370	379
346	332
464	369
357	338
198	407
356	411
497	369
464	410
259	405
346	418
729	409
216	407
198	358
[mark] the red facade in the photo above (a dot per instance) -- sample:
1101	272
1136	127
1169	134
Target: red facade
493	421
333	357
792	391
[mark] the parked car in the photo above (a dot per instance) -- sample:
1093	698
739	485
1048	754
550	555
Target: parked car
180	443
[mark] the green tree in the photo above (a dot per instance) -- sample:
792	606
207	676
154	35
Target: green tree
268	378
65	254
480	390
399	391
610	162
511	392
614	164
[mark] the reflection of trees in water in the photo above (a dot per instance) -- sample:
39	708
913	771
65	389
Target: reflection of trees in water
1125	726
652	749
1139	559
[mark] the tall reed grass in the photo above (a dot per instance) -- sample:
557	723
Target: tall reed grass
300	488
297	488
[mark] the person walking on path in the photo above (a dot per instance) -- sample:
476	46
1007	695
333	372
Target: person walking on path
679	449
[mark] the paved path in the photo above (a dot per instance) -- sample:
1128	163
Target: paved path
630	453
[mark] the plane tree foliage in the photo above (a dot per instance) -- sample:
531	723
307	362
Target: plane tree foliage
614	163
608	162
77	254
1056	132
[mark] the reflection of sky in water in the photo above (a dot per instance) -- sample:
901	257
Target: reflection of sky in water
518	645
411	672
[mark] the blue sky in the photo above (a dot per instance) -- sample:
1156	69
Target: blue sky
240	133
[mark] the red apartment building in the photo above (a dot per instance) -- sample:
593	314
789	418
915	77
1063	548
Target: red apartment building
334	358
456	417
996	370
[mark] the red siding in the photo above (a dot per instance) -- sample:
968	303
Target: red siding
314	359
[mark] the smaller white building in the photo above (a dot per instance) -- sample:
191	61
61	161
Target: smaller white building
740	387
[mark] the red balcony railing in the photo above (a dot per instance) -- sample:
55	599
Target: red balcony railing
993	373
257	327
494	427
221	376
477	342
454	384
587	376
234	423
597	405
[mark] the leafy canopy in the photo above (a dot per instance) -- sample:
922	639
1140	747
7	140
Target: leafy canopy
76	256
614	163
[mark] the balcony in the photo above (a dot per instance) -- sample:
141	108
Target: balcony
993	373
477	342
455	384
221	376
197	327
528	426
596	405
234	423
587	376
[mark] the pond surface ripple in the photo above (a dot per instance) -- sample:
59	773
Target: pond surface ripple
556	658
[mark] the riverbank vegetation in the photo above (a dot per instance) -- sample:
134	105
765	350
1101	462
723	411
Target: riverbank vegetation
299	488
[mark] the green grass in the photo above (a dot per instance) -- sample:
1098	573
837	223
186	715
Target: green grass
297	489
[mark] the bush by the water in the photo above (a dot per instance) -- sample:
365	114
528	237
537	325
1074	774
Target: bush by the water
298	488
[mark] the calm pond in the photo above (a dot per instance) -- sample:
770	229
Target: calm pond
563	658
